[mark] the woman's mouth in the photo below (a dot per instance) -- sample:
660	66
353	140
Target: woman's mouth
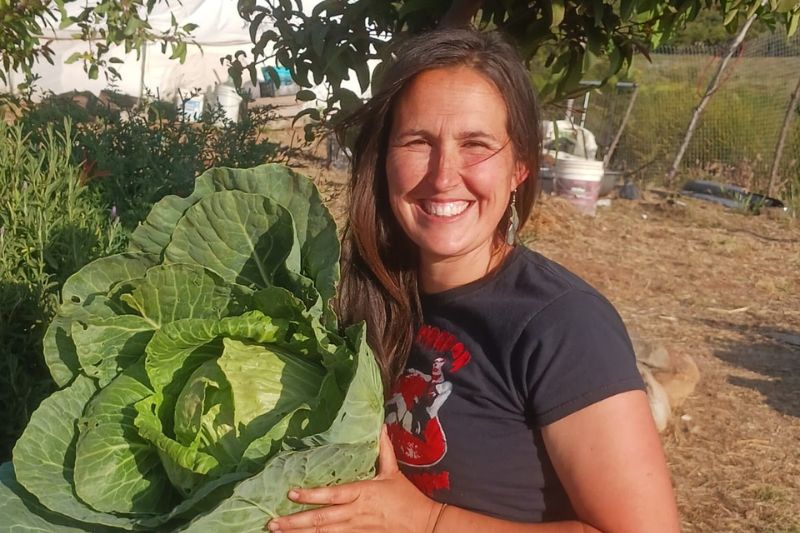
444	209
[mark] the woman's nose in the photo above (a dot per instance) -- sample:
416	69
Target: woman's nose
444	168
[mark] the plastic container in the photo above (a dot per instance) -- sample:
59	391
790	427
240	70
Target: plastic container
192	108
578	180
229	100
286	85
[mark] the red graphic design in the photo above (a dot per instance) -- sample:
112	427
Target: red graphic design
442	341
412	413
428	483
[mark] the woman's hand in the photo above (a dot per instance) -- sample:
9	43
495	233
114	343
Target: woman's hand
390	502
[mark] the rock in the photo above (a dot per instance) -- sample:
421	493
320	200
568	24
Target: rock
680	379
651	354
670	377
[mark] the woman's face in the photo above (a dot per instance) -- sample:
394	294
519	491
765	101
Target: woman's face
450	164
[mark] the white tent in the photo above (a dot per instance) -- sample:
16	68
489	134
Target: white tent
220	32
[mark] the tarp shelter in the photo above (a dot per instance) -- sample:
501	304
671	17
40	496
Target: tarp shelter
221	31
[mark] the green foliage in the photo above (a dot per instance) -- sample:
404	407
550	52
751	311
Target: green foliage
736	138
202	374
51	225
708	29
337	39
133	156
103	24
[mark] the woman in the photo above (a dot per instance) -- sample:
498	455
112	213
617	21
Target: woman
514	403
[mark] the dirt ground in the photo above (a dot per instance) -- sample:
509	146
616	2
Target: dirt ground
721	286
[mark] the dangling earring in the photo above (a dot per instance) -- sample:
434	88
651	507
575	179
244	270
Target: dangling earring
513	220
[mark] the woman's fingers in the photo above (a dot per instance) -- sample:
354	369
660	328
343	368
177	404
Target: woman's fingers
334	528
387	462
318	520
327	495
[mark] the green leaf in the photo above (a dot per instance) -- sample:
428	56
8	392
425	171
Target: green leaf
558	10
306	95
185	466
117	471
84	299
360	416
626	8
173	292
179	51
263	497
107	346
314	227
153	235
75	56
20	510
267	384
100	275
315	231
793	23
730	17
243	237
44	456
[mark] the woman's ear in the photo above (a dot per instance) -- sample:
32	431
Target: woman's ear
521	173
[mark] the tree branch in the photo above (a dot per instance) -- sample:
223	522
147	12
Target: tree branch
460	13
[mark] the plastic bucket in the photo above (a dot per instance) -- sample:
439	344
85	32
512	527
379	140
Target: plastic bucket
578	180
229	100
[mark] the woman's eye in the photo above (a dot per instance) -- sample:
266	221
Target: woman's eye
417	142
475	144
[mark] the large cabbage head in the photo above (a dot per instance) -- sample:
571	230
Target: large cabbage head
202	373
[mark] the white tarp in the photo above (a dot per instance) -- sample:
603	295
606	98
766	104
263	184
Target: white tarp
220	31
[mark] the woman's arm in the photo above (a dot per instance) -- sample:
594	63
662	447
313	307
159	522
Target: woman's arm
607	455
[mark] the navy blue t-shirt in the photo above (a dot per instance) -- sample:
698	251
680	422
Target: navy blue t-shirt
494	361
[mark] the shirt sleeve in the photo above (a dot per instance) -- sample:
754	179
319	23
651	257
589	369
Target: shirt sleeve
579	353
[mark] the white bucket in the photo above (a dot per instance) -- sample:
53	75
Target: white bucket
578	180
229	100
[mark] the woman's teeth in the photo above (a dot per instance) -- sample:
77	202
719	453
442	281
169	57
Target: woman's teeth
444	209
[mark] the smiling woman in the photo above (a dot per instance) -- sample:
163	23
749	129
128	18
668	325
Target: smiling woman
513	402
450	171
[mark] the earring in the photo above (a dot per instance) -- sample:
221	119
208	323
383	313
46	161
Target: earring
513	220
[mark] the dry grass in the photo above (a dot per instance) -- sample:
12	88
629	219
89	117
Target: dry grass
712	283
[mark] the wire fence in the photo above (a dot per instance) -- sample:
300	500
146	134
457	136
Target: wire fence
738	132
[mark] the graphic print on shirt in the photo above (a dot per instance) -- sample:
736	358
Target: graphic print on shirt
412	412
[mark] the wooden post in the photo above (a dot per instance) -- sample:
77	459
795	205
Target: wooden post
713	85
618	136
787	120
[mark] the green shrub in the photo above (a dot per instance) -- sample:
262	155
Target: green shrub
134	156
50	226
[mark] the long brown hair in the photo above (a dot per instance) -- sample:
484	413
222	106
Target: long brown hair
379	262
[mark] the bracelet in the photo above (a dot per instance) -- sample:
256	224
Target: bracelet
438	516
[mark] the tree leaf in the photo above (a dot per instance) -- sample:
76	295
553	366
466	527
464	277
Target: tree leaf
306	95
